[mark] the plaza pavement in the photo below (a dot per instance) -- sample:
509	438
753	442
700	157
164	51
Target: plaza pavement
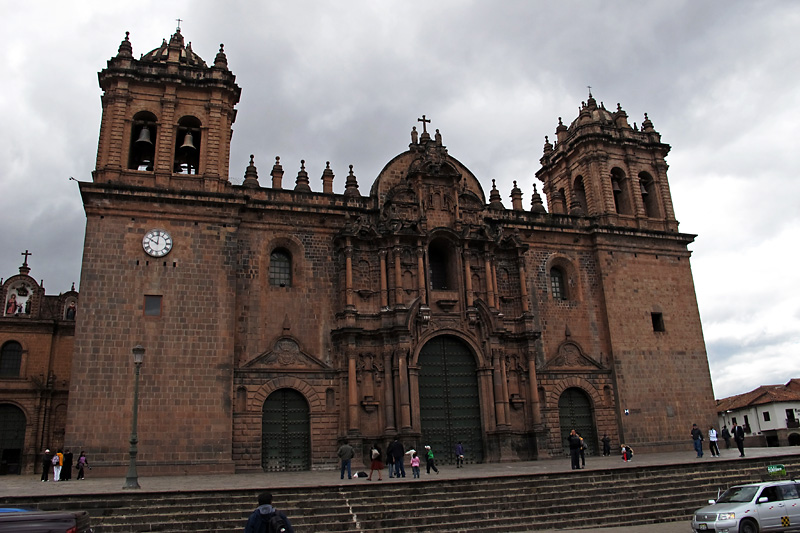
31	485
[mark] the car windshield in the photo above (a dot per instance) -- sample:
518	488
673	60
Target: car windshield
738	494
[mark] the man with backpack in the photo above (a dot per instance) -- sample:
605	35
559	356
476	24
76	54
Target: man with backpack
267	519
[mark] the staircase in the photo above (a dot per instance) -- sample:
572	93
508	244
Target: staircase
578	499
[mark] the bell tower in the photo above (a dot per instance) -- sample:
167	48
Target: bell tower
602	167
167	118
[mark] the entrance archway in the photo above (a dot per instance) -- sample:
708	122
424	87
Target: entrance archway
285	432
449	401
12	438
575	412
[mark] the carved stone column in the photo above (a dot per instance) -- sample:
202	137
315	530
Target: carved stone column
523	285
384	287
398	278
352	393
388	391
533	393
497	382
423	293
489	282
348	254
405	403
468	279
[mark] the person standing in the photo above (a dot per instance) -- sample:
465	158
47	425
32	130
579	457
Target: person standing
459	455
66	472
46	464
697	439
712	442
574	442
415	465
58	462
606	440
583	450
726	436
397	451
376	463
738	437
83	463
346	454
267	518
430	462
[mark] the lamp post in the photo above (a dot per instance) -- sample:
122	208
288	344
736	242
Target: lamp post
132	479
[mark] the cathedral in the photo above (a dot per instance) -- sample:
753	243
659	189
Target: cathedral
277	320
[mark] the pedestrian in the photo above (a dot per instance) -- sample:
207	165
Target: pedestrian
415	465
738	437
58	462
389	461
627	453
430	462
606	440
583	450
346	454
726	436
574	442
83	463
267	518
697	439
47	464
376	463
397	450
66	472
459	455
712	442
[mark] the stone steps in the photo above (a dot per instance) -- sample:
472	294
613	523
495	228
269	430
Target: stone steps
576	499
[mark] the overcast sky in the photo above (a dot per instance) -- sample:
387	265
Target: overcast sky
345	82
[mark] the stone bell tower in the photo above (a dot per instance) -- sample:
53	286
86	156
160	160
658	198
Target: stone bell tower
602	167
167	118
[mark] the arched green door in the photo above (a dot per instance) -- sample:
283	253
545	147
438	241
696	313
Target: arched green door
285	432
449	401
12	438
575	412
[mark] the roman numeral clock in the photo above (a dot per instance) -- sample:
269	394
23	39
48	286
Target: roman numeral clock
157	243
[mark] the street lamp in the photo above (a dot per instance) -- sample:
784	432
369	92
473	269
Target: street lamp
132	479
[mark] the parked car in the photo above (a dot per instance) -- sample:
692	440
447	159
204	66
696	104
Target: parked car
33	521
751	508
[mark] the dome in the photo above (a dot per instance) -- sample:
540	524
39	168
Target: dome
185	53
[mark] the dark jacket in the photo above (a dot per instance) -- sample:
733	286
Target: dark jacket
738	433
261	516
696	434
574	442
396	450
346	452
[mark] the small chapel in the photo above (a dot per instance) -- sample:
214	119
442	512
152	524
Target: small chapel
278	318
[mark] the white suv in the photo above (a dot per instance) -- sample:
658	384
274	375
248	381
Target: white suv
772	506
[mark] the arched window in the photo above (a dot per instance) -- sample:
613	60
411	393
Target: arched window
579	191
557	285
10	359
280	268
649	197
618	185
143	142
187	146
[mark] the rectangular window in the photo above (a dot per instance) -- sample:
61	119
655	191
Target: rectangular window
557	284
790	414
152	305
658	321
766	416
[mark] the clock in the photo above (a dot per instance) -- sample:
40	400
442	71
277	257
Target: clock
157	242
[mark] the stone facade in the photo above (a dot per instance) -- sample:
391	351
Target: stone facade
36	342
279	321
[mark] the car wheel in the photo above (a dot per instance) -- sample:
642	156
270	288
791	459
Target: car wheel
748	526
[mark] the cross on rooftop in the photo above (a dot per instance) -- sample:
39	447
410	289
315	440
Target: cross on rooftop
424	121
179	23
26	253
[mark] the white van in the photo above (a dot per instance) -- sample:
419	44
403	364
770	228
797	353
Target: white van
770	506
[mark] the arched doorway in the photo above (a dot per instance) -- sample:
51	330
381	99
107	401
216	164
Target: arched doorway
449	402
12	438
575	412
285	432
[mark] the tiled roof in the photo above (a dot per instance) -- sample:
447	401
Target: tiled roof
762	395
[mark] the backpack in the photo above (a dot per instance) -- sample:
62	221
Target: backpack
54	460
275	523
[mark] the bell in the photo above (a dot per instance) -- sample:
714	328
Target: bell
615	186
144	136
188	143
644	189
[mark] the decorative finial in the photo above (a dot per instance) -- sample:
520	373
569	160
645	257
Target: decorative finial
590	90
351	184
179	25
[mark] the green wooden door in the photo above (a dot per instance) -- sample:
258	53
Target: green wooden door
450	408
575	412
285	432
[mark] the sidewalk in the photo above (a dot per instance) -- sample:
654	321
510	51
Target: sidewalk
31	485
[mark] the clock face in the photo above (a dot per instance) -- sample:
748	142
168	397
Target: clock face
157	242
